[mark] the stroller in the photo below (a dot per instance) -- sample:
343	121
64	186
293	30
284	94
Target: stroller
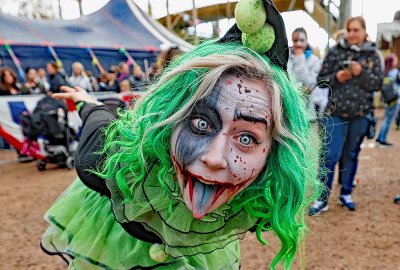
48	128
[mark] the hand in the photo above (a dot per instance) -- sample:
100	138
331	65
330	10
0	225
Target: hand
343	75
298	51
356	68
75	94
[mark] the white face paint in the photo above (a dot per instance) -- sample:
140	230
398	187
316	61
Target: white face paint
299	41
223	144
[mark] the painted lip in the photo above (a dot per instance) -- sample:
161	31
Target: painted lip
189	179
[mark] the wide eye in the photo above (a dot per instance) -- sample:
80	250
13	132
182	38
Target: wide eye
246	139
201	125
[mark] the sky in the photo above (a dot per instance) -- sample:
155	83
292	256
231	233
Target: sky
374	12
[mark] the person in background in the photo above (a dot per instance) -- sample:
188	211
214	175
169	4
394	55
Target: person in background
167	56
57	78
102	82
112	82
391	70
124	72
137	79
304	65
353	71
32	85
154	73
9	84
93	80
79	77
127	96
115	68
42	78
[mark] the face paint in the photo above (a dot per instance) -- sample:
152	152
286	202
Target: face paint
299	40
222	146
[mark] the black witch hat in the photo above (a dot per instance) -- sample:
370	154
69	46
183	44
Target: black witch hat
279	52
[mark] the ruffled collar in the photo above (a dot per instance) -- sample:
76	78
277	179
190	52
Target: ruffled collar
164	213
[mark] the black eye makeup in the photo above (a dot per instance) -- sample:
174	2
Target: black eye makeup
200	125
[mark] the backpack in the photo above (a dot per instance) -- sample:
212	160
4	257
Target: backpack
388	90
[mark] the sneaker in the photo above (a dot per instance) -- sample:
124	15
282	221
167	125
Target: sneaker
317	208
385	144
347	202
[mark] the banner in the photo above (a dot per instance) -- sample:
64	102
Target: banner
11	108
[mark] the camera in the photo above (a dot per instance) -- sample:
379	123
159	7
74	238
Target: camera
345	64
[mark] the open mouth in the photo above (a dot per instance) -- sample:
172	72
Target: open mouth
203	193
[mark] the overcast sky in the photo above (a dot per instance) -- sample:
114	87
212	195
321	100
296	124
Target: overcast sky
374	11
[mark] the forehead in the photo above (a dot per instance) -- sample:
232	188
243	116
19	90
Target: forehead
299	35
234	93
354	25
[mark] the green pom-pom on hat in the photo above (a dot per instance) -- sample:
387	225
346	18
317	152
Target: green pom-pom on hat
250	15
260	41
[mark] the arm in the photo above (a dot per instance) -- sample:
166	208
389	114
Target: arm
371	78
328	70
96	119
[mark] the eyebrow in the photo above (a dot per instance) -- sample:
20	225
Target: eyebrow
250	118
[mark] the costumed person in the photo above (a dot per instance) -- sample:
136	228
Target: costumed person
220	145
304	65
353	71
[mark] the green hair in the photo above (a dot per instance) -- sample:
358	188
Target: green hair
281	193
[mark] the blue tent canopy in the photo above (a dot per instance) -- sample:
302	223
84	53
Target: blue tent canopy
119	24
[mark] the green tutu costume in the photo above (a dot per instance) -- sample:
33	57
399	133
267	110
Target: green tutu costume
149	195
87	235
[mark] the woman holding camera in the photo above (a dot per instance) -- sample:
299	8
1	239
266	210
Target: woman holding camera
353	71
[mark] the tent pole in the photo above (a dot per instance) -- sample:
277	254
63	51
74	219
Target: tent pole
130	61
96	61
146	68
16	61
55	56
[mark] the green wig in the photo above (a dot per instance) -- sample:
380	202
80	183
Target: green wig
279	196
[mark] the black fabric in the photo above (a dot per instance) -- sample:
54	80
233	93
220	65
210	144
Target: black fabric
45	121
56	81
95	120
279	53
354	97
389	90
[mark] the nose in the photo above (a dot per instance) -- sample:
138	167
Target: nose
214	157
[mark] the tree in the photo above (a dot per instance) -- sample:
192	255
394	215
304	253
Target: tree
37	9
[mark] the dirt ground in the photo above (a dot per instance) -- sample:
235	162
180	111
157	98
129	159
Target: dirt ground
368	238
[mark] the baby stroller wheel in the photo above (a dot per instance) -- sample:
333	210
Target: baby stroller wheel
70	163
41	165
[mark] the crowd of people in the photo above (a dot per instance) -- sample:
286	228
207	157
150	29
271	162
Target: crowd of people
49	80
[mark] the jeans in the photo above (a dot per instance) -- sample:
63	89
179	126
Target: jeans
343	141
390	111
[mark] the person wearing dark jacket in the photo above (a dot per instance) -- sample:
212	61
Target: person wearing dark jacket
57	79
353	71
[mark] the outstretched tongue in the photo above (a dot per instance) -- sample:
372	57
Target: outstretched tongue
202	196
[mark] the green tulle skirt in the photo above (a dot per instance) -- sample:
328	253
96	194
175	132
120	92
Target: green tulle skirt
83	230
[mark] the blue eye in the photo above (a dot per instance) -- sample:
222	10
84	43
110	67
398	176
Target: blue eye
246	139
200	125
